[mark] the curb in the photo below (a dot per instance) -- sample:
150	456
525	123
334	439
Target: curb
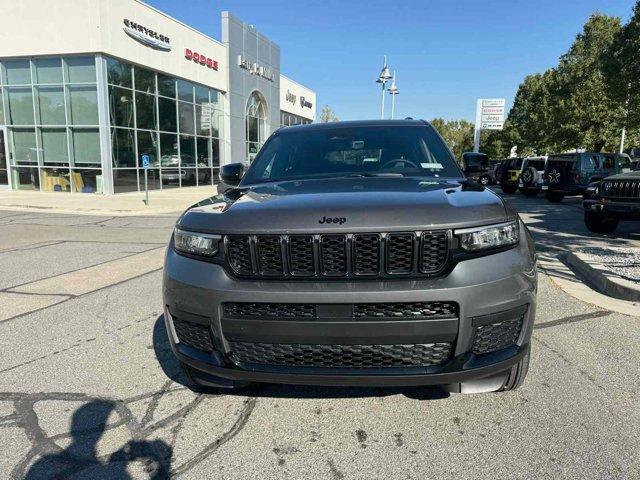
603	280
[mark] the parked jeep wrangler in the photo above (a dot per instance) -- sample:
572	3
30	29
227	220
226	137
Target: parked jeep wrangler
508	174
614	199
352	253
531	176
571	173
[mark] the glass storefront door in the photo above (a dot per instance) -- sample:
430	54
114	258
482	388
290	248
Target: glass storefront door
4	172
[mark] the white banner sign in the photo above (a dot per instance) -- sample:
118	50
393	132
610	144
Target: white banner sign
493	102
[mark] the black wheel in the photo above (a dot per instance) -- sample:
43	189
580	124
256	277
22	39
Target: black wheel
529	192
509	188
554	197
484	180
517	374
598	223
199	387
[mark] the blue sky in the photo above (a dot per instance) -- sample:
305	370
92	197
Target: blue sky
447	53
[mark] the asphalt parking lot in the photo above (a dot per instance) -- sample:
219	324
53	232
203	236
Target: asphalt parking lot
90	389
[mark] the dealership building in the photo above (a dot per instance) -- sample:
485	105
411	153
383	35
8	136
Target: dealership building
94	91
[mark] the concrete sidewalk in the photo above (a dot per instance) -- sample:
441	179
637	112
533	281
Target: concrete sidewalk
161	202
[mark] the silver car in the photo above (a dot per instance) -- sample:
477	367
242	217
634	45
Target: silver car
352	253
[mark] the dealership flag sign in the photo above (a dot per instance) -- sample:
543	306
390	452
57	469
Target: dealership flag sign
489	116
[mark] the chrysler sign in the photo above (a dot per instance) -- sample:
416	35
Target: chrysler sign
146	36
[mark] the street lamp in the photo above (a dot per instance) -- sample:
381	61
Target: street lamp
626	115
393	91
384	77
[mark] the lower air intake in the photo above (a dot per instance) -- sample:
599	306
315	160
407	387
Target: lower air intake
341	356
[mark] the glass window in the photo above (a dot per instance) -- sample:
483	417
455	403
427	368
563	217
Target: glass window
16	72
213	96
608	161
125	180
202	94
81	69
185	91
20	106
166	86
187	150
145	80
148	145
204	114
624	161
215	152
122	148
84	105
26	178
85	147
168	150
23	145
51	105
53	145
1	107
186	117
48	70
167	114
203	159
87	181
146	111
56	179
121	107
118	73
153	179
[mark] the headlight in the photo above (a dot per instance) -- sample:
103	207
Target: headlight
194	243
491	236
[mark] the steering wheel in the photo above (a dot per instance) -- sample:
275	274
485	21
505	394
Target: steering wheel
399	160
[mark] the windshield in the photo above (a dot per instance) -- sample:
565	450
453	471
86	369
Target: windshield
359	151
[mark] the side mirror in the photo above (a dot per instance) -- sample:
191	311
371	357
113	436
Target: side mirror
231	174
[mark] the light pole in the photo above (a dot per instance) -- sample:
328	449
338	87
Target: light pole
383	78
626	114
393	91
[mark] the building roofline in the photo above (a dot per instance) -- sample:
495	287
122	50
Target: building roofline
145	4
297	83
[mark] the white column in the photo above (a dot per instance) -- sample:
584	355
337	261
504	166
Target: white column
103	121
476	133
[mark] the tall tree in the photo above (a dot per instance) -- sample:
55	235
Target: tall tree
581	111
328	115
622	68
458	134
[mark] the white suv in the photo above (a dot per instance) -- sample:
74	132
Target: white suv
530	182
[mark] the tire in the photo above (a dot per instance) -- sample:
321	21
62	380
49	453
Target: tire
597	223
554	197
509	188
485	180
517	374
530	192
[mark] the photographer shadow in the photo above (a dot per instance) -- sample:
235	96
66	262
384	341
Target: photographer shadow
89	422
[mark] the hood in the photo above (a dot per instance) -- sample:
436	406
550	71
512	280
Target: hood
373	204
630	175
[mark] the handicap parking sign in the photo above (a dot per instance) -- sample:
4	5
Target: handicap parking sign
145	161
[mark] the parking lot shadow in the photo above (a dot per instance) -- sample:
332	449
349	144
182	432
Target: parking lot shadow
88	424
172	369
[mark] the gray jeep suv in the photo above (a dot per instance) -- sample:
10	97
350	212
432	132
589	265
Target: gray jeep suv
352	253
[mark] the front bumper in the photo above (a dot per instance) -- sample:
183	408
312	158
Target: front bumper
481	287
614	209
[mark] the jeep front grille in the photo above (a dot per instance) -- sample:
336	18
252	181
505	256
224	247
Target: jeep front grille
370	255
621	189
340	356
